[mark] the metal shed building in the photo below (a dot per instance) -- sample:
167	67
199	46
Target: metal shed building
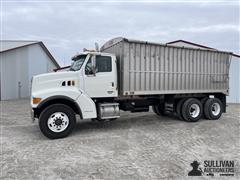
19	61
234	74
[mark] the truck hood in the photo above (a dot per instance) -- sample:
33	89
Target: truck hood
53	80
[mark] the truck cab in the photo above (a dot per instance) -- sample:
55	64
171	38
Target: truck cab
57	97
96	70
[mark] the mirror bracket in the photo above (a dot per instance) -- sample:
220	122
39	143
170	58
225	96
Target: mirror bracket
93	59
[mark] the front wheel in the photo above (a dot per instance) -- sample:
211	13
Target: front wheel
57	121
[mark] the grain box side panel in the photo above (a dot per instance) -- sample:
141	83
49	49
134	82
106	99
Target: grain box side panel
161	67
227	69
194	70
153	73
126	65
225	58
118	48
174	69
137	67
158	69
147	68
142	66
225	76
131	66
206	77
184	67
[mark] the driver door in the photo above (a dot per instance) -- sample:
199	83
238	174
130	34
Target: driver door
100	78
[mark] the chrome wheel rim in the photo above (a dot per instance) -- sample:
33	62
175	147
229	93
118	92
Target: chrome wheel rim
215	109
194	110
58	122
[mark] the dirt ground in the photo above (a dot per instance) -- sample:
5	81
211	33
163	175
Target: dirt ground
136	146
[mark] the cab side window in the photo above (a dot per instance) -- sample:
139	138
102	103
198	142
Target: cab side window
89	67
103	64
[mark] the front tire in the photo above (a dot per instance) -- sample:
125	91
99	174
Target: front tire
57	121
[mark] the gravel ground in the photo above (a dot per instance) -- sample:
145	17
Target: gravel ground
136	146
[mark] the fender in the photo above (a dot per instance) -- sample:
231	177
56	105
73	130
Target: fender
41	104
71	93
81	102
57	99
87	106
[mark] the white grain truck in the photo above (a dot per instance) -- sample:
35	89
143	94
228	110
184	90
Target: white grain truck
132	75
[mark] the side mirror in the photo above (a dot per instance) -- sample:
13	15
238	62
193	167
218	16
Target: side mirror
93	59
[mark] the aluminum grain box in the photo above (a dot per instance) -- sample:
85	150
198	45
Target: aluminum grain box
147	68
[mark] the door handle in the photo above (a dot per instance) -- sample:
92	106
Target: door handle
112	84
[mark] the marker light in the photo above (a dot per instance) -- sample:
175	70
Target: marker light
36	100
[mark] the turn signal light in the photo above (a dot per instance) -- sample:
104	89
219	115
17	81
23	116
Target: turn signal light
36	100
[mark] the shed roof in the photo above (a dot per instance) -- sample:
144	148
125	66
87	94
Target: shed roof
197	45
9	45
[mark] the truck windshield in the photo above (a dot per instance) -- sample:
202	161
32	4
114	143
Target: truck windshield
77	63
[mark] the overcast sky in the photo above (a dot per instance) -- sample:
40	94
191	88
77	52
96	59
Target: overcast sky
67	27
